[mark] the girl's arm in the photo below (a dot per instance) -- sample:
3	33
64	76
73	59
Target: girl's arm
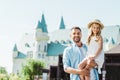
100	42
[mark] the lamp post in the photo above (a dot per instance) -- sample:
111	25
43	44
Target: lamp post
103	74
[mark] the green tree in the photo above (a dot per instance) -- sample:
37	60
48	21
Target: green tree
3	74
14	77
3	70
31	69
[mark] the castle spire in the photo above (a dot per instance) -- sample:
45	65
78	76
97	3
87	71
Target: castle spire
15	48
39	26
43	23
62	25
111	41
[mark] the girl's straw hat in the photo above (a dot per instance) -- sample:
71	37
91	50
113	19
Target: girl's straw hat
96	21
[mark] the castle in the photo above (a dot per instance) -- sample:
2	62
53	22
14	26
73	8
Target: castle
45	46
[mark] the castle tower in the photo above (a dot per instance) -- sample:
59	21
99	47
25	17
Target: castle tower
41	37
62	25
15	55
15	51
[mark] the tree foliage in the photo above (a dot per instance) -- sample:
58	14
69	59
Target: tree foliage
3	74
3	70
14	77
31	69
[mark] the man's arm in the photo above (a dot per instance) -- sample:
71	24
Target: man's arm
76	71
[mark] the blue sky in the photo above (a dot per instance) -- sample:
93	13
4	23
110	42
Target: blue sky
20	16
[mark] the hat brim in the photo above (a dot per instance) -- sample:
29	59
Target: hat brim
101	25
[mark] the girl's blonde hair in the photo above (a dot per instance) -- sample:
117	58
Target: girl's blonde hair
91	34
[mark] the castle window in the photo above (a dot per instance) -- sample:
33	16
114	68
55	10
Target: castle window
38	48
39	55
27	45
56	41
62	41
42	55
105	40
69	42
45	48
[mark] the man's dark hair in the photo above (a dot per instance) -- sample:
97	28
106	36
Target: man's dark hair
76	27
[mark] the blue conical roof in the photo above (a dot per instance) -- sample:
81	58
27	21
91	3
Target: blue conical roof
111	41
43	23
39	25
15	48
62	25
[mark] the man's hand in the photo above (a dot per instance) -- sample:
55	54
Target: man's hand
85	72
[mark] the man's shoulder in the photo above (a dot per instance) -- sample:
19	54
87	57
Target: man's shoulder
85	46
68	47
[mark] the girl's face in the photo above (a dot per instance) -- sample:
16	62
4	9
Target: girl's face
95	28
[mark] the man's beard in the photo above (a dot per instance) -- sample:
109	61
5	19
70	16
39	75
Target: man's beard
77	40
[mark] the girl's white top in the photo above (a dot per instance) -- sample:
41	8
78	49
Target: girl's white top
92	49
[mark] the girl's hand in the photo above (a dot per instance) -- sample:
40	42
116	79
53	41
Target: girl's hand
92	57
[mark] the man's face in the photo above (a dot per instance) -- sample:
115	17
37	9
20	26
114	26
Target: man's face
76	35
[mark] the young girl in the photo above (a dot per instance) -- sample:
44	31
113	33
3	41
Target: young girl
95	49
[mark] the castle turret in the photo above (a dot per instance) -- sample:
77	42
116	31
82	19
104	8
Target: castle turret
41	30
62	25
43	23
41	39
15	51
